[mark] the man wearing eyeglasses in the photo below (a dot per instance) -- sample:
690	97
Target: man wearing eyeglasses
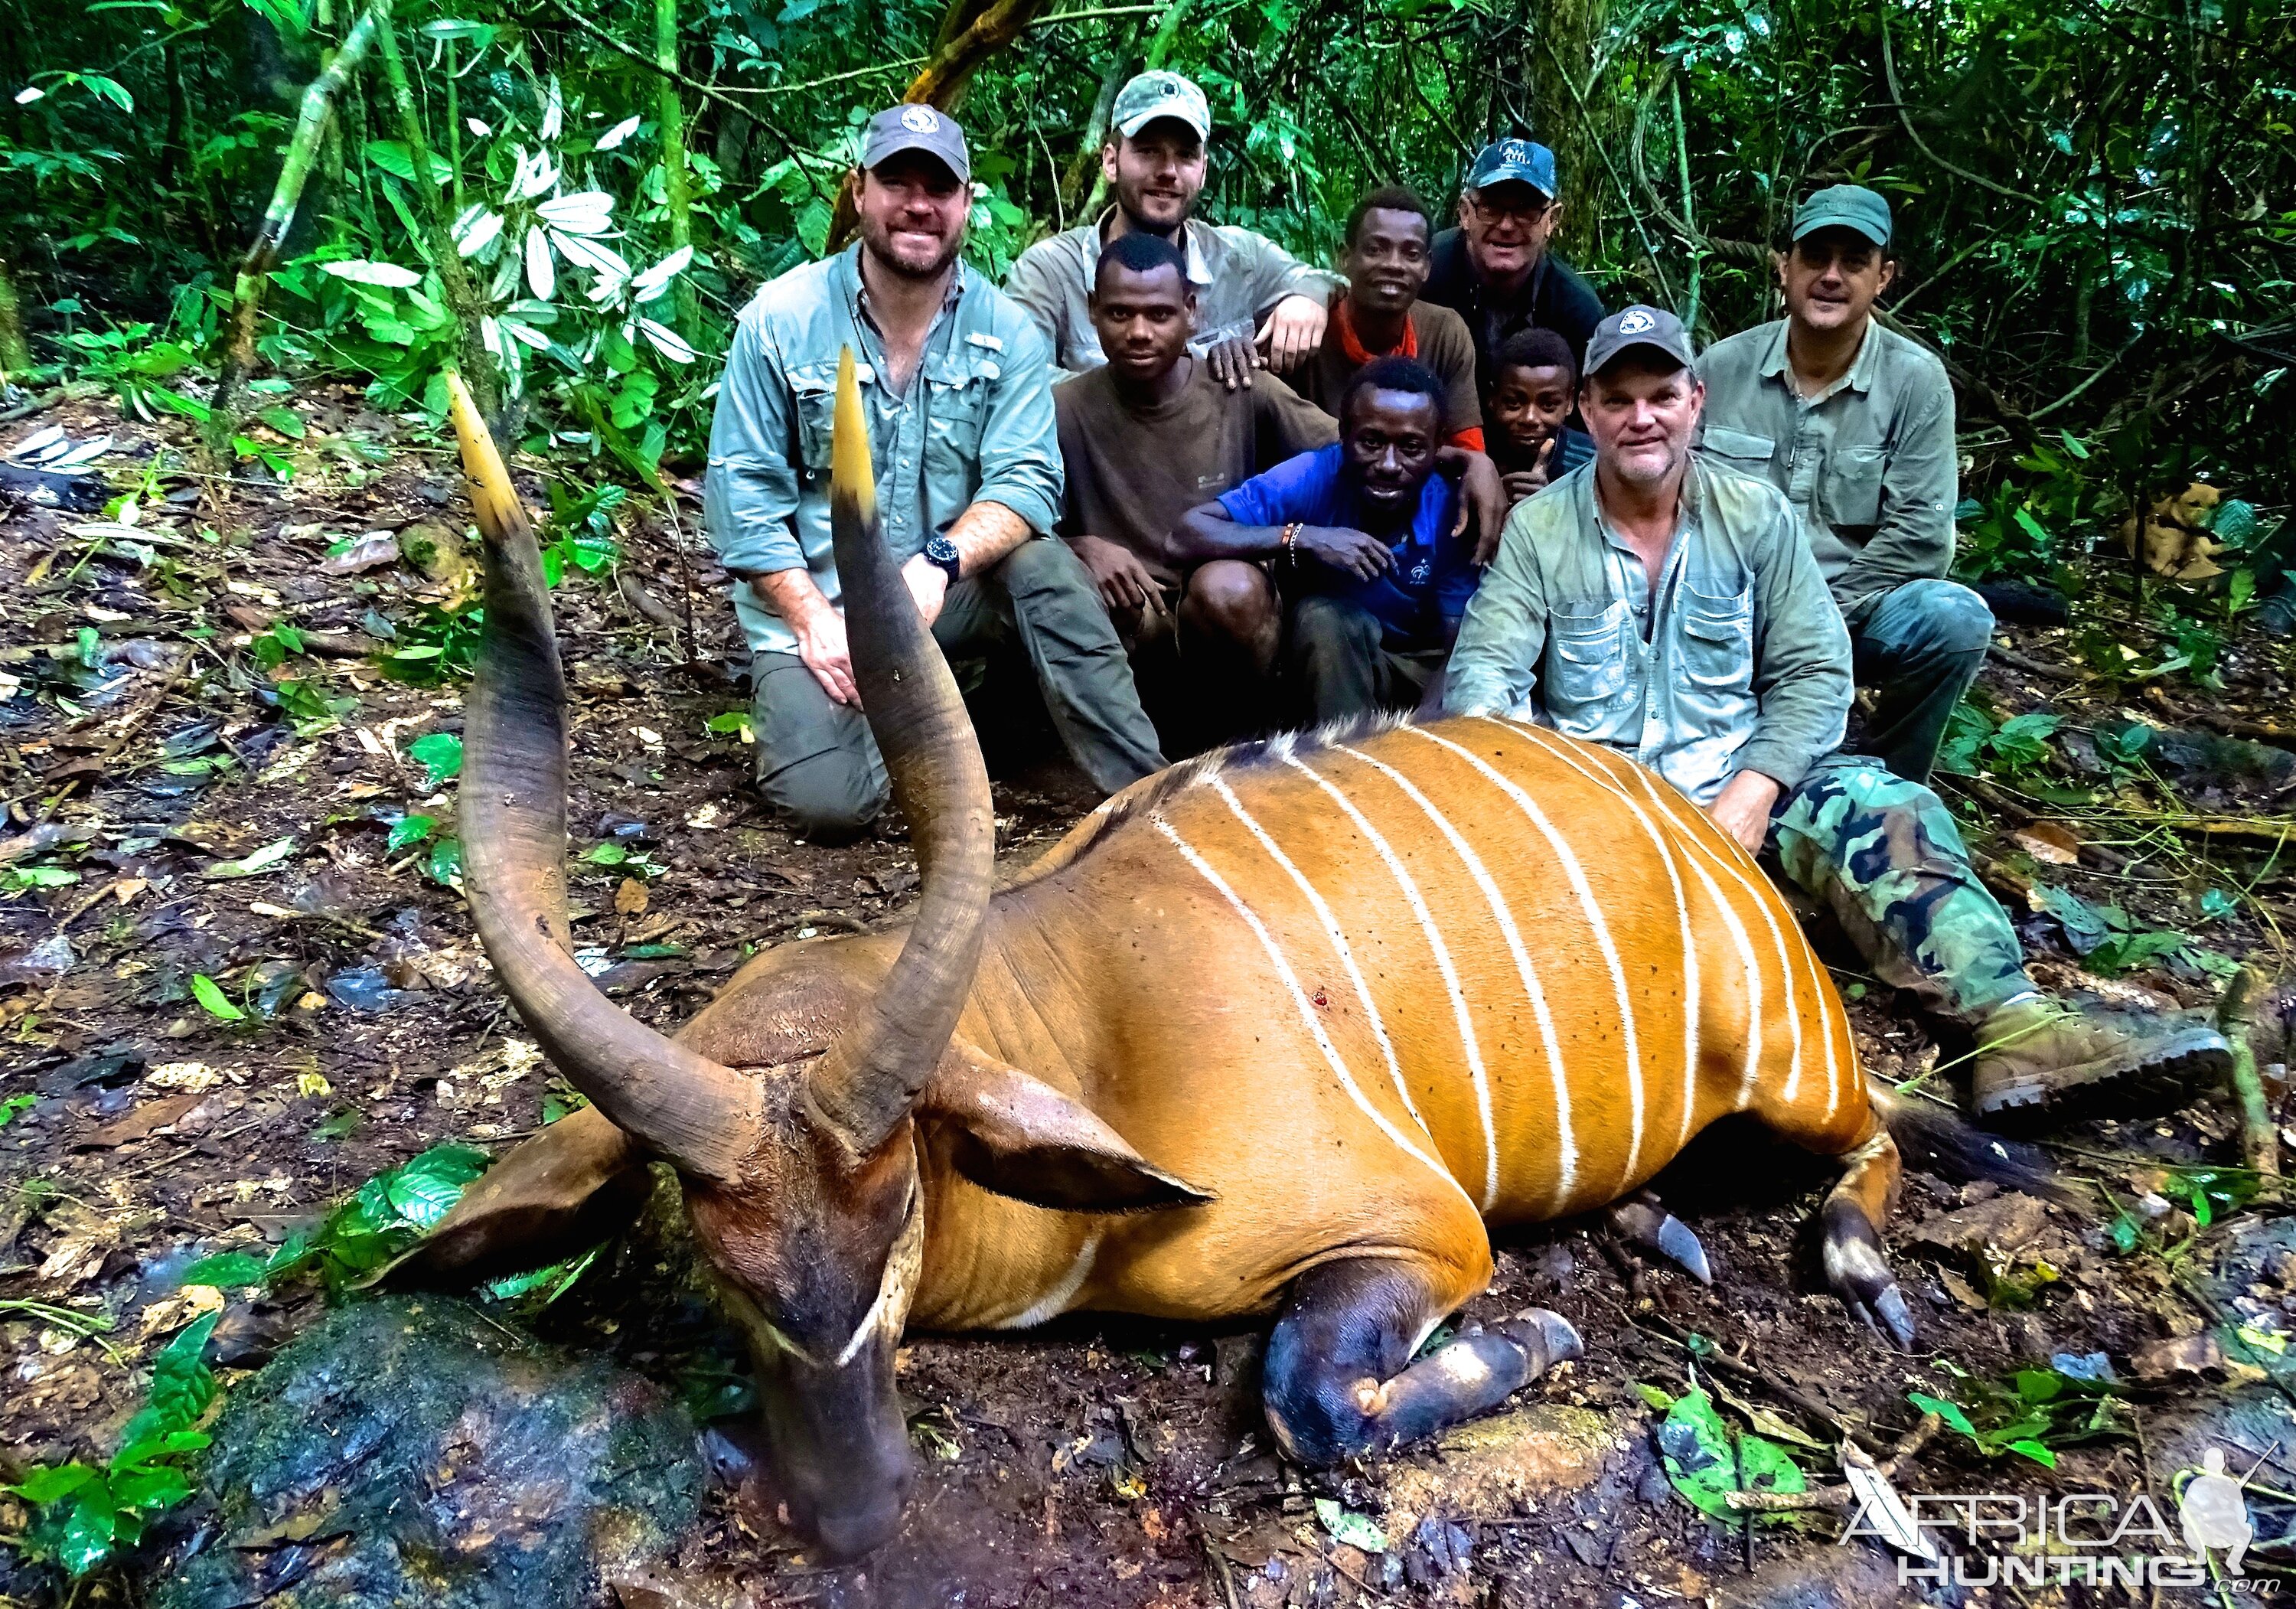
1494	269
1854	424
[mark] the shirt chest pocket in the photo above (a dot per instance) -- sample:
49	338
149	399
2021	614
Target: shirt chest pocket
1853	485
1588	665
956	414
813	409
1717	645
1742	450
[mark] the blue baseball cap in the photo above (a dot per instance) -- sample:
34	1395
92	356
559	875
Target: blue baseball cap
1851	207
1514	161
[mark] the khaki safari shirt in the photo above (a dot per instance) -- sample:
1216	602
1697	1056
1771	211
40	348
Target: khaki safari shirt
976	425
1737	661
1869	464
1238	278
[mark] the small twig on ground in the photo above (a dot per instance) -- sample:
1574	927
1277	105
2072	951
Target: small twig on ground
2041	667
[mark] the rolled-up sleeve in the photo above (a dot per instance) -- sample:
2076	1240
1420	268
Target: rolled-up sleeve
1802	683
1020	437
1494	666
1919	489
1040	282
1275	274
753	489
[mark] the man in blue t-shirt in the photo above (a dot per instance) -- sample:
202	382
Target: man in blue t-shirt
1360	537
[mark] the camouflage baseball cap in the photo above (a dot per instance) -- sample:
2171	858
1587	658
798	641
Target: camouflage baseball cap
1161	95
1851	207
911	127
1637	326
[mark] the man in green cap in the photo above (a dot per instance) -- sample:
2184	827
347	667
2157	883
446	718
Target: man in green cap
1257	305
1660	604
1854	424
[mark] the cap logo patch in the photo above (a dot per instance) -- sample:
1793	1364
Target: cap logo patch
1635	322
919	119
1518	152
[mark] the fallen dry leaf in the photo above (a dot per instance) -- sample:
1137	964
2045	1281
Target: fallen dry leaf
2048	840
630	898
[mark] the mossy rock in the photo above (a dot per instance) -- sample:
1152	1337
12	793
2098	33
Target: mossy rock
411	1450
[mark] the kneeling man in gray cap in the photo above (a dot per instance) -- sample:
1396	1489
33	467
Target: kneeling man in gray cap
955	383
1669	608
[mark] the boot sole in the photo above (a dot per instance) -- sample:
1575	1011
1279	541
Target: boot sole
2158	1080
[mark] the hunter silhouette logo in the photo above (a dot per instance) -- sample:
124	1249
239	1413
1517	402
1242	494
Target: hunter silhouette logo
919	119
2215	1514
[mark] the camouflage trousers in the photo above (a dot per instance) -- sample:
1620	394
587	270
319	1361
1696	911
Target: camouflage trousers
1884	859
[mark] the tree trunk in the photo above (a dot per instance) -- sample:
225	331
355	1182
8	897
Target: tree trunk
453	273
676	192
1573	31
255	269
15	351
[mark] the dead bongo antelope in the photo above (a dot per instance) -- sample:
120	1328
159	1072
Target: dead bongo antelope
1279	1032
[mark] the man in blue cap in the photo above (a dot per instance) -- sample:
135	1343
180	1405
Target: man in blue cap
1494	269
1854	424
955	384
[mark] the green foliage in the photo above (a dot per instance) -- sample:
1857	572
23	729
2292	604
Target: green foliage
2030	1414
85	1514
436	645
215	1003
441	755
2111	943
1706	1461
379	1221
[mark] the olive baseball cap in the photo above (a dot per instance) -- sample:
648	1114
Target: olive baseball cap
1845	207
1151	95
1637	326
1514	161
910	128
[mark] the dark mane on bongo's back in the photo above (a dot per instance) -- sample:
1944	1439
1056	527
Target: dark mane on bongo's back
1149	793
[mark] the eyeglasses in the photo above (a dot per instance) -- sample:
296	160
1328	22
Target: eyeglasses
1529	210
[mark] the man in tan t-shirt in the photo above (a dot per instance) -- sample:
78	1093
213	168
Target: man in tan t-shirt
1381	314
1145	437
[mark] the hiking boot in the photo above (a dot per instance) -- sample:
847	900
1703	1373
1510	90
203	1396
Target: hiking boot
2049	1057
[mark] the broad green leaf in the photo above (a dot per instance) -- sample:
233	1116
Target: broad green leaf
211	995
181	1384
1695	1445
426	1188
225	1270
440	753
45	1483
410	829
1951	1412
1358	1530
445	862
360	272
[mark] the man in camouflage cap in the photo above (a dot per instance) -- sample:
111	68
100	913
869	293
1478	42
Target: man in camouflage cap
1256	304
1668	607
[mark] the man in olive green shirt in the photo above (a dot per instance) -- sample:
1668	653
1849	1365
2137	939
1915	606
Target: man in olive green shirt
1669	608
1257	305
1854	424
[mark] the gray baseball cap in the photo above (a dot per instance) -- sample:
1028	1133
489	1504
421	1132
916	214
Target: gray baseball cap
1637	326
909	128
1845	207
1151	95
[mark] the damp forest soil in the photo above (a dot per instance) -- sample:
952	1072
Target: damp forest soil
1098	1461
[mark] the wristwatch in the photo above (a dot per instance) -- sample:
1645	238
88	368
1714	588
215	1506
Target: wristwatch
941	553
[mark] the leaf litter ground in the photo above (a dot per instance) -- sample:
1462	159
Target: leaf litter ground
239	987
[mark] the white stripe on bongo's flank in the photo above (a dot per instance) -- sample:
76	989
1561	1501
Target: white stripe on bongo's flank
1578	885
1300	1002
1566	1141
1561	749
1665	796
1055	1301
1338	937
1442	951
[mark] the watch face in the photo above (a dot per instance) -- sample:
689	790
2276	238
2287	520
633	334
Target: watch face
941	550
